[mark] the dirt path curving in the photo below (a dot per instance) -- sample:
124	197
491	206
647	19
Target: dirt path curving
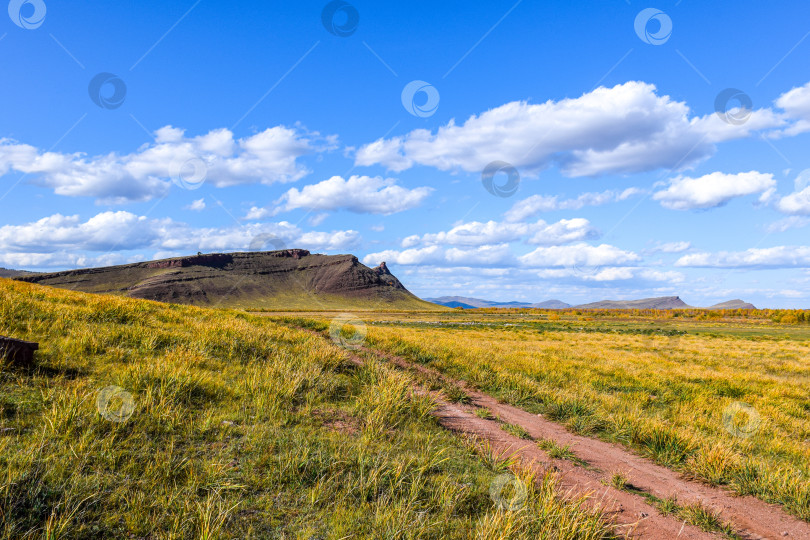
631	514
751	518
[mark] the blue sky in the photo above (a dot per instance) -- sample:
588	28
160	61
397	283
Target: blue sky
130	131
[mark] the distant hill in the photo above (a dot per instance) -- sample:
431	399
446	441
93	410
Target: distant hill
284	279
470	303
6	273
664	302
552	304
733	304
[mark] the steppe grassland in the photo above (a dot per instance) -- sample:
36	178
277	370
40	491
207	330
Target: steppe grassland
238	428
729	407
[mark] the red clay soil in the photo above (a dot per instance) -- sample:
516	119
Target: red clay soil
750	517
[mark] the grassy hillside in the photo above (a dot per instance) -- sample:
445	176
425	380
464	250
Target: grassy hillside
225	425
723	400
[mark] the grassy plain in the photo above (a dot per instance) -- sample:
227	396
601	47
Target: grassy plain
723	398
146	420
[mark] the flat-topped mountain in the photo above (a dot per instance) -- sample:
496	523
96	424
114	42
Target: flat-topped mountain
283	279
733	304
664	302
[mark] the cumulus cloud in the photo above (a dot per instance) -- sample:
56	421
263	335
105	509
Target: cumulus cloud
56	241
264	158
476	233
712	190
479	256
773	257
431	254
578	255
568	256
625	129
359	194
795	203
537	204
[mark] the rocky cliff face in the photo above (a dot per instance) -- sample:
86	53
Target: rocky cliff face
255	279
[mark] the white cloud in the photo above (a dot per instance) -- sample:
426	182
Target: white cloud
359	194
578	255
774	257
493	255
625	129
796	104
46	242
265	158
792	222
672	247
197	205
614	273
536	204
600	258
713	190
795	203
317	219
480	256
431	254
256	213
104	232
476	233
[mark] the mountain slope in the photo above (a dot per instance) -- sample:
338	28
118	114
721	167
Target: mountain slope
6	273
664	302
285	279
733	304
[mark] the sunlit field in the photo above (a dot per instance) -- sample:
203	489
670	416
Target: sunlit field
145	420
721	397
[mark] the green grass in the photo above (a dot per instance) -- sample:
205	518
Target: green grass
238	428
516	431
557	451
619	480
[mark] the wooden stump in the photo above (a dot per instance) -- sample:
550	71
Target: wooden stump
17	351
